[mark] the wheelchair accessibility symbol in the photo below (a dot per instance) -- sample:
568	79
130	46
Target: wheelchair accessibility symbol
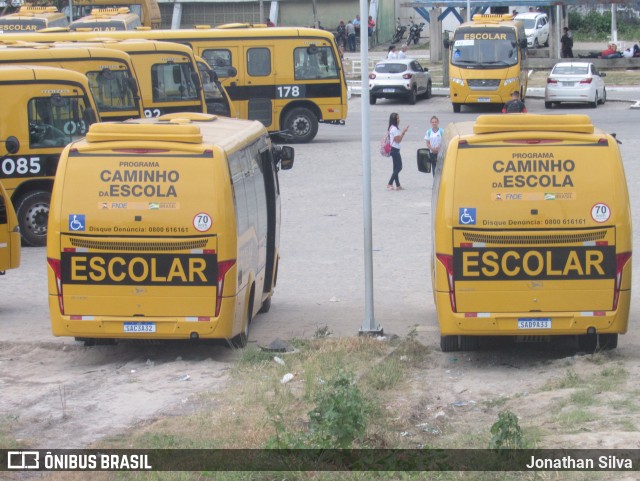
467	215
76	222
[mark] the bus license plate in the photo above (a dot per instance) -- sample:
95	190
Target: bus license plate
484	99
139	327
534	323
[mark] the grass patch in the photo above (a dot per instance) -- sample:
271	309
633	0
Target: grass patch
570	379
583	397
574	418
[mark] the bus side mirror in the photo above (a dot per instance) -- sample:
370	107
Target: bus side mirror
447	43
12	144
424	165
284	155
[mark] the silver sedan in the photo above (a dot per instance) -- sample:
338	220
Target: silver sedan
575	82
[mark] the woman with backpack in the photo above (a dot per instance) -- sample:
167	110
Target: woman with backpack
395	136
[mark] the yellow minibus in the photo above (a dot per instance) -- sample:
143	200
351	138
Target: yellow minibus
290	79
167	74
531	231
43	109
32	19
106	20
9	234
487	61
109	71
147	10
165	228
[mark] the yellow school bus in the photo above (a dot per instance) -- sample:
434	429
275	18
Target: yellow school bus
107	19
165	228
32	19
9	234
147	10
110	74
531	231
167	74
290	79
43	109
487	61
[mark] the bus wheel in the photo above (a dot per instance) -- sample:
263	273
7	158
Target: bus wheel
456	108
448	343
302	124
266	305
588	343
242	339
33	213
608	341
469	343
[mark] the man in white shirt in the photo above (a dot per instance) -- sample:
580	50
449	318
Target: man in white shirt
403	51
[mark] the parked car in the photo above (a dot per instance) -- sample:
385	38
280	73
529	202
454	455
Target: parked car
395	78
536	28
575	82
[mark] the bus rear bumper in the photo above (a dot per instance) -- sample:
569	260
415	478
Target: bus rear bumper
512	323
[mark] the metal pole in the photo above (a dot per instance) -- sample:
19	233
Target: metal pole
468	10
261	12
614	23
368	323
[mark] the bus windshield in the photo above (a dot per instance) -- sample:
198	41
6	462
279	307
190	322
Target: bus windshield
111	90
484	48
56	121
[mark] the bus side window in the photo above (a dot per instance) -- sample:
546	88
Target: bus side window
219	61
259	62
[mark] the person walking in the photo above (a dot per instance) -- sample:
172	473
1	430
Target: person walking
433	138
396	136
392	53
351	36
403	51
566	51
514	105
341	34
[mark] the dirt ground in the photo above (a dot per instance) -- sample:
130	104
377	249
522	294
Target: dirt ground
56	393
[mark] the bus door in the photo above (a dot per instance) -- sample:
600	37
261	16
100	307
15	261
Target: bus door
227	62
259	83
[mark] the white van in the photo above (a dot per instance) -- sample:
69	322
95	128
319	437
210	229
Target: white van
536	27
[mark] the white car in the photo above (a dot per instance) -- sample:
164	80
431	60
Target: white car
395	78
536	28
575	82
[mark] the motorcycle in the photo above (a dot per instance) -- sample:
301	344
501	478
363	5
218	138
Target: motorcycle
414	32
399	33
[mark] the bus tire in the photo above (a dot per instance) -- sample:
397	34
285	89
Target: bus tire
33	213
240	341
266	305
456	108
302	124
608	341
469	343
448	343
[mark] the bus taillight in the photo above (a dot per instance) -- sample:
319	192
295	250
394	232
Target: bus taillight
55	267
621	261
447	262
223	268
